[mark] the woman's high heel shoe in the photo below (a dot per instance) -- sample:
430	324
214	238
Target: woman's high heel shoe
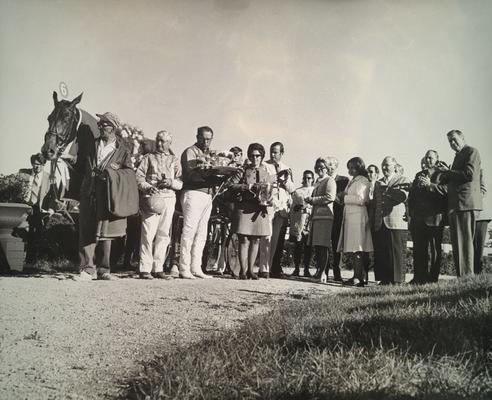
252	275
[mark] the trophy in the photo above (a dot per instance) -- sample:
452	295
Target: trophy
263	193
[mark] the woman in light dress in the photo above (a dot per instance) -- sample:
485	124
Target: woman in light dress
355	236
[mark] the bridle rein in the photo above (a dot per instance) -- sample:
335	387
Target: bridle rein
63	139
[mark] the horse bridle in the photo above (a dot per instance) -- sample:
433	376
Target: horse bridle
59	136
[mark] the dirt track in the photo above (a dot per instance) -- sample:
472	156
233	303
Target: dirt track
61	339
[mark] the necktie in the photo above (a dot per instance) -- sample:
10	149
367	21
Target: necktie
35	189
277	169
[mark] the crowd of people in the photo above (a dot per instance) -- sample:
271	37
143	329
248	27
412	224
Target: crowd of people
364	217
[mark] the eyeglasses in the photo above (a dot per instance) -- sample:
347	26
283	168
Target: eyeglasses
104	125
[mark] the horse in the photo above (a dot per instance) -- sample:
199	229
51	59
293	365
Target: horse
65	123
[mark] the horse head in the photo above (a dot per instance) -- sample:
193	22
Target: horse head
62	128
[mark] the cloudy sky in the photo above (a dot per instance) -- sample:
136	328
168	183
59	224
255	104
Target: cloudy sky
344	78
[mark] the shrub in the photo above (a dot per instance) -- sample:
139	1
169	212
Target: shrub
13	188
61	239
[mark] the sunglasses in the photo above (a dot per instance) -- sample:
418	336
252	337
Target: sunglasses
104	125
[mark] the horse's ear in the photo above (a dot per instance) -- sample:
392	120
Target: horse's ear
55	98
77	100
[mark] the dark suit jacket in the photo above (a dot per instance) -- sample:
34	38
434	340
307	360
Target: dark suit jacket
428	203
464	181
342	182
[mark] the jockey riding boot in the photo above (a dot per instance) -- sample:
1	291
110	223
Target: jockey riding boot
307	274
296	271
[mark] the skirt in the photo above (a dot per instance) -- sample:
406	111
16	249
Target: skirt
252	220
320	234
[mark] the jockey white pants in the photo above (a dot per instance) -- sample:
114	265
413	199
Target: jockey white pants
197	207
155	238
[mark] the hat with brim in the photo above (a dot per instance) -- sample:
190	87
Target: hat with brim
109	118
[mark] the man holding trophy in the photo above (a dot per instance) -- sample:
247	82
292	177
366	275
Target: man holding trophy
196	201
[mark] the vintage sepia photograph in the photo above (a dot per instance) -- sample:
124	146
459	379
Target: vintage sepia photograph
246	199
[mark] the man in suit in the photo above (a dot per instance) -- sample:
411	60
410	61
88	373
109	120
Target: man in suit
37	179
390	194
342	182
464	201
97	159
427	204
271	248
38	182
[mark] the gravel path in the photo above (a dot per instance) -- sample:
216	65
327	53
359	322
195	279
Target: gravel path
61	339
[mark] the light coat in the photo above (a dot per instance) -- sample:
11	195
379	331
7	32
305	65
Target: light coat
355	234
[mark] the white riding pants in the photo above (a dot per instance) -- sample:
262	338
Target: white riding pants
155	238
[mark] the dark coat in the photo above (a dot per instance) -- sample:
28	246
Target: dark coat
428	203
342	182
95	221
464	181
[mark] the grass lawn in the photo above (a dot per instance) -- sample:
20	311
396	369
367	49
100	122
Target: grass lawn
402	342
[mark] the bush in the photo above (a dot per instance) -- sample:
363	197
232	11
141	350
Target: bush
13	189
60	238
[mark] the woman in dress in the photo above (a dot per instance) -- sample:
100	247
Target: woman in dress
251	218
324	194
355	236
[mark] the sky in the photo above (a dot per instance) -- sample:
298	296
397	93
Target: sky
344	78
